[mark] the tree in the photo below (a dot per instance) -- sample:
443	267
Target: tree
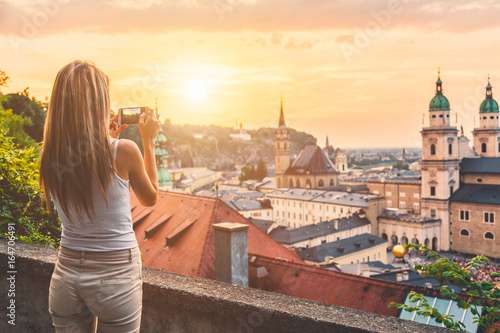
476	293
261	171
20	202
3	79
400	166
247	172
21	104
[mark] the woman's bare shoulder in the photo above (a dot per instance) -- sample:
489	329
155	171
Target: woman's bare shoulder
128	149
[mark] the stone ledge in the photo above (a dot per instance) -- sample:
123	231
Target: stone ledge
178	303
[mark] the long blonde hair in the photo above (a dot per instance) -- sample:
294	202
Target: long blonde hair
76	146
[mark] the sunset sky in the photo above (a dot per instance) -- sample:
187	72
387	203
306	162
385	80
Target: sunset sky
360	71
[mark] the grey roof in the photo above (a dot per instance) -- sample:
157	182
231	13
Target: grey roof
312	159
475	193
333	197
341	247
480	165
290	236
263	225
248	204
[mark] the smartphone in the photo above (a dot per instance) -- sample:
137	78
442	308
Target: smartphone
130	115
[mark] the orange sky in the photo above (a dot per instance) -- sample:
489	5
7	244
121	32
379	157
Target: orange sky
360	71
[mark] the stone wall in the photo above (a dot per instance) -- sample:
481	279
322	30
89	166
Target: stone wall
178	303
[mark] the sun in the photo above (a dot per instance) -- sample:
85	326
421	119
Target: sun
197	90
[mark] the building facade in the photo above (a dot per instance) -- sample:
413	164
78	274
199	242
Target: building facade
487	135
400	194
296	208
475	208
439	167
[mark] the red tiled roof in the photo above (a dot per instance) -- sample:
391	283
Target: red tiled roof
332	287
187	220
193	253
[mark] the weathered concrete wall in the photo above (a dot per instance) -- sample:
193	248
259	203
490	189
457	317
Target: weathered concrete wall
178	303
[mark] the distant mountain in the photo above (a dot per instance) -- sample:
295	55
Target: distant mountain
211	146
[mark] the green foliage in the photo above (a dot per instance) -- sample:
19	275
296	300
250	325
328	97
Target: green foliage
400	166
248	172
3	79
261	171
14	124
21	104
475	293
19	190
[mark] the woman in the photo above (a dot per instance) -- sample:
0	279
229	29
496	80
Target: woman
97	277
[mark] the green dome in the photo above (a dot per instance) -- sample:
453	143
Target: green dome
164	177
489	105
439	102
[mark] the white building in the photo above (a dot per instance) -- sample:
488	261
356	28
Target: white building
298	207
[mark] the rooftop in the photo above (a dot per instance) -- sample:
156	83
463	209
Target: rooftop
313	160
475	193
290	236
322	196
480	165
341	247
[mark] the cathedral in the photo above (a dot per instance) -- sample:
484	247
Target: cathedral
460	187
311	169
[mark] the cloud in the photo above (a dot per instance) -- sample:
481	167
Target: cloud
345	39
155	16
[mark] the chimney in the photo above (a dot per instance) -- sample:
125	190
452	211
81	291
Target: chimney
399	277
231	253
406	276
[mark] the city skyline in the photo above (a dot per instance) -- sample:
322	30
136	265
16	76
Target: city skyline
361	72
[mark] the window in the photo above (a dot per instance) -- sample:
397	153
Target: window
293	215
388	193
450	149
489	235
389	203
433	213
464	232
416	195
489	217
376	192
483	147
402	194
402	204
433	190
451	190
416	205
464	215
433	149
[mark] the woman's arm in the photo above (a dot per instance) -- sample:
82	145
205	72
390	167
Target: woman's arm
142	172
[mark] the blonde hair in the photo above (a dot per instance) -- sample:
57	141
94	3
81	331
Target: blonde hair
76	146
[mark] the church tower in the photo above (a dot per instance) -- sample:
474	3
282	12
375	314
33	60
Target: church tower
281	150
487	135
440	166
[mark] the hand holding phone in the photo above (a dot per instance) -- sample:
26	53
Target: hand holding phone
149	126
130	116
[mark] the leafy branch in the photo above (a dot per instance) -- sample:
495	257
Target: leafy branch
477	295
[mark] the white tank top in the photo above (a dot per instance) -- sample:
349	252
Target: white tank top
111	227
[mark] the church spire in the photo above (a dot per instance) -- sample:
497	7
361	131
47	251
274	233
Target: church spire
282	116
327	144
439	84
